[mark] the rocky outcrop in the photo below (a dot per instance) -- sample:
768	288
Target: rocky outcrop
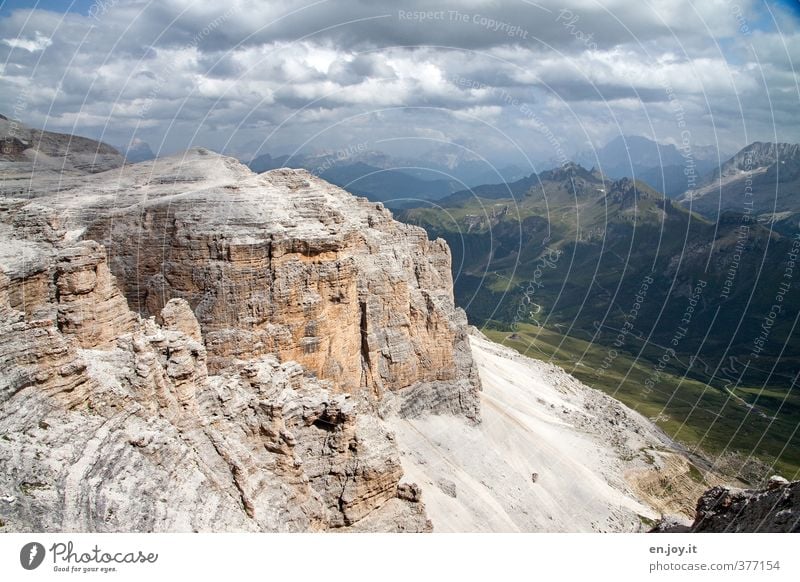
90	306
757	155
138	437
21	144
283	263
775	508
277	320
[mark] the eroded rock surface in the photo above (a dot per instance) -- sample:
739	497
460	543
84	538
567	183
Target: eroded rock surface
282	263
188	346
276	320
776	508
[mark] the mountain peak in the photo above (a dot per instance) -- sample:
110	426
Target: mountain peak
768	171
137	150
626	190
760	154
758	157
567	171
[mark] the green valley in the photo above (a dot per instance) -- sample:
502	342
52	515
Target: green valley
691	322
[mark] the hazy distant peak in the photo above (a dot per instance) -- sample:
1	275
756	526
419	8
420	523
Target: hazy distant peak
137	150
567	171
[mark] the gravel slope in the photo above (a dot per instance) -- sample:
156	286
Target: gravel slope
536	419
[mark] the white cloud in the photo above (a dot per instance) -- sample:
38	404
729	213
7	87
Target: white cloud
273	69
38	43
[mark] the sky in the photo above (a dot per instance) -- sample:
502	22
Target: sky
515	81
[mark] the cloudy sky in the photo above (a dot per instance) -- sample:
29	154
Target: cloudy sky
507	80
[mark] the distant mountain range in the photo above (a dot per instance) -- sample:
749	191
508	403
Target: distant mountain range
401	181
661	166
615	264
761	182
398	182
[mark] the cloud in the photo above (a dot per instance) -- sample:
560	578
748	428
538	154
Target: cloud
322	73
38	43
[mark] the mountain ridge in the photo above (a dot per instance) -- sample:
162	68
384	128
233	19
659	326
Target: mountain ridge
663	166
761	181
266	352
610	237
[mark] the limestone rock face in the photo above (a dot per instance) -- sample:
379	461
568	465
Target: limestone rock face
284	263
276	320
90	306
138	437
35	355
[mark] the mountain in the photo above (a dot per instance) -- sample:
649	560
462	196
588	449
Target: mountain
24	148
265	163
186	345
661	166
217	363
137	151
398	182
50	156
762	181
461	164
574	266
624	154
395	188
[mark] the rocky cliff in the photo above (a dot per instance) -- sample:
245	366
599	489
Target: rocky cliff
284	263
188	346
276	319
773	509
